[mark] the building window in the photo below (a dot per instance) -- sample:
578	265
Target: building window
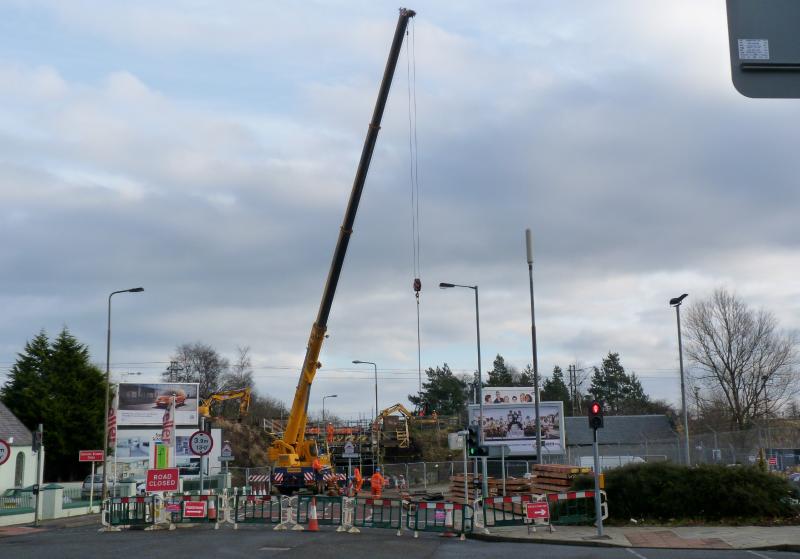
19	472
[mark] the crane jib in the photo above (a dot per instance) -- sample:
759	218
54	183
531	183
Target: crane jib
294	433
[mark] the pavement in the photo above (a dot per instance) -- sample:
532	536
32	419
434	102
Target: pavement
778	538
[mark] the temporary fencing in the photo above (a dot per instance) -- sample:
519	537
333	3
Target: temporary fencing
576	507
379	513
194	509
439	517
255	509
506	511
329	509
128	512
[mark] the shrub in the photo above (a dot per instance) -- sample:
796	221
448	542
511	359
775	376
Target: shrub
665	491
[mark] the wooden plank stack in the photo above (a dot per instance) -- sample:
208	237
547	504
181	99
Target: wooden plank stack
555	478
457	486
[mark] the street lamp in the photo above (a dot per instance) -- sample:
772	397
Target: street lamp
676	302
108	387
529	247
444	285
323	405
357	362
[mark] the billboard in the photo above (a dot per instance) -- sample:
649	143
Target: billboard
514	425
144	404
135	447
493	396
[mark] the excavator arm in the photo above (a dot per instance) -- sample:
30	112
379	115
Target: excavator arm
243	395
293	449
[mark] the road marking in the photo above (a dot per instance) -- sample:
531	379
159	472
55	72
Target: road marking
757	554
639	555
282	549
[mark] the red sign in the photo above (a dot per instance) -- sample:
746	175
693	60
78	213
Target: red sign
162	480
200	443
537	510
773	461
5	451
194	509
90	455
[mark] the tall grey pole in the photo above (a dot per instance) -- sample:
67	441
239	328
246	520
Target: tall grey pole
484	466
529	246
597	509
40	436
683	389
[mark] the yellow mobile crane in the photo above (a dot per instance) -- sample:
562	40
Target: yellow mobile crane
292	455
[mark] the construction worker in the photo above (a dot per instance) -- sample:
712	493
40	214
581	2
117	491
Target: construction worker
359	480
316	465
376	483
329	433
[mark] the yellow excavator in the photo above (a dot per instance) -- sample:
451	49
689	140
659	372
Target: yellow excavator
243	394
292	455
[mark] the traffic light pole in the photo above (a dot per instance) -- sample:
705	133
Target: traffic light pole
597	512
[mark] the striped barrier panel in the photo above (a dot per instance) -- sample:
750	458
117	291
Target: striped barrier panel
259	483
379	513
193	509
506	511
455	518
255	509
575	507
127	512
329	509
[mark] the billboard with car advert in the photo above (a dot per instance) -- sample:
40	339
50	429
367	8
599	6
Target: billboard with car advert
514	425
144	404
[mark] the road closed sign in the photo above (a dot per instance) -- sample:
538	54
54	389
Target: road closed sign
537	511
5	451
162	480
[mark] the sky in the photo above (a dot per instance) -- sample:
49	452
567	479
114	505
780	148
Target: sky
206	151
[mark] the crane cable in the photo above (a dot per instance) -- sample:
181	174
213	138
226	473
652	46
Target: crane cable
413	151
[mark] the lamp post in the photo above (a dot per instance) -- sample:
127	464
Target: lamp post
108	387
375	367
323	405
529	247
444	285
676	302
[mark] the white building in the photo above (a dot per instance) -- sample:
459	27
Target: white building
20	469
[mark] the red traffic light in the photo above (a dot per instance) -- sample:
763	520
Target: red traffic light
595	408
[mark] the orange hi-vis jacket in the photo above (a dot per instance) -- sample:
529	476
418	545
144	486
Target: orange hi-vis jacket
359	479
316	465
376	481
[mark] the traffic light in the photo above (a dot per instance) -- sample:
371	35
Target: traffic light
474	449
595	415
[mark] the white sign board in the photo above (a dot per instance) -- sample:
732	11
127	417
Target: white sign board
200	443
5	452
514	425
349	451
144	404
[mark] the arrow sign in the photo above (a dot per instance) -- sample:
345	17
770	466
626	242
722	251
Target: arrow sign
537	510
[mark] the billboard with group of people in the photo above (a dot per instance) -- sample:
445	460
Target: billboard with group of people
509	418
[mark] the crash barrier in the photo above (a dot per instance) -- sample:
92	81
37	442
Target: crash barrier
128	512
379	513
439	517
194	509
575	507
329	509
254	509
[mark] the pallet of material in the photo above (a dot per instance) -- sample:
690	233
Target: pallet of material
552	481
561	469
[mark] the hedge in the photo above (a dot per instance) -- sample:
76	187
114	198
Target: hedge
665	491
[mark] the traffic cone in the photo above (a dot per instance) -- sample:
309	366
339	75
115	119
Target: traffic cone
313	525
212	507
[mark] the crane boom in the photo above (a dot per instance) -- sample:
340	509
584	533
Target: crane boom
292	449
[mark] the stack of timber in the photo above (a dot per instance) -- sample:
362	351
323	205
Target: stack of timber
457	486
555	478
514	486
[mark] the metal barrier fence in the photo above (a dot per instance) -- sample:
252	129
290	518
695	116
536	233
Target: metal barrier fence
379	513
575	507
329	509
20	503
439	517
130	512
506	511
255	509
194	509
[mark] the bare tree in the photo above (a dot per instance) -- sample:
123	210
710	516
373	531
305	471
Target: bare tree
199	362
240	374
740	357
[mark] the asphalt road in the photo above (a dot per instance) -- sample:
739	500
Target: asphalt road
255	542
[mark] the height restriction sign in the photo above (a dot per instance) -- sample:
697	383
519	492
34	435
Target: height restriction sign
5	451
200	443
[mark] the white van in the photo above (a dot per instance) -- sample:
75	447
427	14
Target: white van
610	462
